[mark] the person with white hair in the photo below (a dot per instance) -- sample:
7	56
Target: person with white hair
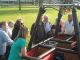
5	40
11	24
47	24
69	27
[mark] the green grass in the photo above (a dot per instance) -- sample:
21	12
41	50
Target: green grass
29	15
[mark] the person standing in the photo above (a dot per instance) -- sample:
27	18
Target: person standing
10	27
18	49
47	24
69	26
4	41
16	28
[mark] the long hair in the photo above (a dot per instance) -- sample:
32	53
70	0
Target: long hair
16	29
23	30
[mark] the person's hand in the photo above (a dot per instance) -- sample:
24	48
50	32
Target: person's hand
73	44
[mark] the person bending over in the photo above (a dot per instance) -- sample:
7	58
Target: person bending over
18	49
4	41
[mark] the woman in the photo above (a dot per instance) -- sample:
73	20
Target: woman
16	28
18	49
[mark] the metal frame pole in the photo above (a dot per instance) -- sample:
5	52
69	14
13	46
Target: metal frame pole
76	27
58	4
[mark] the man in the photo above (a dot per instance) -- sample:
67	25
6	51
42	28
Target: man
10	27
4	41
69	27
47	24
11	24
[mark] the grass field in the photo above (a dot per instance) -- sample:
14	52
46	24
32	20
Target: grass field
29	15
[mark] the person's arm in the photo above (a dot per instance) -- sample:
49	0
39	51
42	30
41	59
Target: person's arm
7	39
23	48
23	52
74	44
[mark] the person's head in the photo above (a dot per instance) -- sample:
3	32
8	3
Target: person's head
4	25
18	24
45	18
19	21
11	24
23	32
70	18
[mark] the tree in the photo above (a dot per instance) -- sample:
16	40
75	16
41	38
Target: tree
19	5
32	2
40	2
49	1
